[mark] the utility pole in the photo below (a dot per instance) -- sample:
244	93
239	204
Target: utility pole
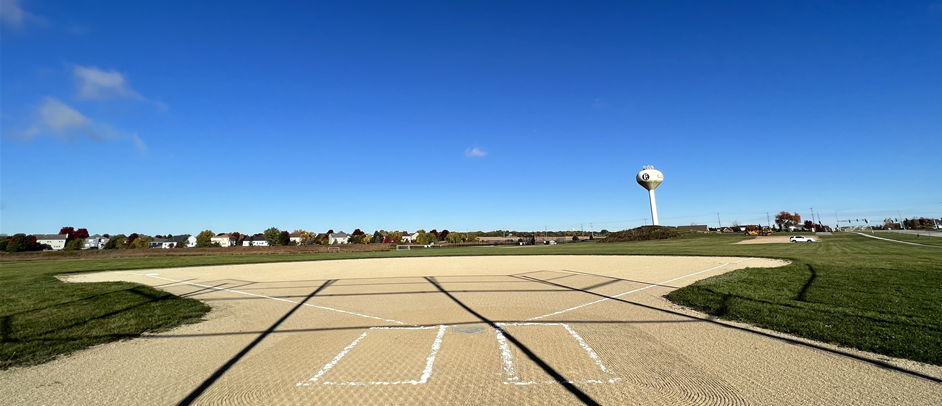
901	224
768	221
591	230
812	219
718	220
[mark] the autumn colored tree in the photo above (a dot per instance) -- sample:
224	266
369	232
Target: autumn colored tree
81	233
784	219
131	238
443	235
68	231
21	242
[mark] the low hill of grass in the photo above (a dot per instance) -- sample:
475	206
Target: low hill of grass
647	233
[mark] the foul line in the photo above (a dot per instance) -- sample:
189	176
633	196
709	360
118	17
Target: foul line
634	291
901	242
265	297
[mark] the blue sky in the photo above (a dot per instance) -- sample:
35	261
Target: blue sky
175	117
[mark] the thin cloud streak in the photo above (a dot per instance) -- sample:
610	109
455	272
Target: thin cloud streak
67	124
96	84
474	153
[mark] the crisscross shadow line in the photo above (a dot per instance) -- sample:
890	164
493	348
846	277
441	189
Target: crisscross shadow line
543	365
189	399
876	363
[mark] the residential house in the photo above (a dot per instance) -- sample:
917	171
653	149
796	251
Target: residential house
184	240
54	242
96	242
224	240
407	238
338	238
162	243
255	241
295	238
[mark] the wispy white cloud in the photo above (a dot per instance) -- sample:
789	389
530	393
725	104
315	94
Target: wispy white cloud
474	153
13	15
96	84
58	119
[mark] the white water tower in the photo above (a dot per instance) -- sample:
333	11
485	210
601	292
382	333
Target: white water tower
650	178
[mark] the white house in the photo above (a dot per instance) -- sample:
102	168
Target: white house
407	238
96	242
255	241
186	240
163	243
338	238
224	240
51	241
295	238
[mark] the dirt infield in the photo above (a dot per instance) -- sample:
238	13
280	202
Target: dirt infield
773	239
460	330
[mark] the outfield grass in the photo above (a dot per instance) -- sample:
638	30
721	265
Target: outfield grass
849	290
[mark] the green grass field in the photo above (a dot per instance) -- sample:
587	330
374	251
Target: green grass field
849	290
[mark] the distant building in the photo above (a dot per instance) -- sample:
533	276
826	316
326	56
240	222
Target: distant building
96	242
162	243
54	242
338	238
224	240
255	241
295	238
184	240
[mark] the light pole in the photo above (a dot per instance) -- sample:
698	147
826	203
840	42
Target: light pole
901	223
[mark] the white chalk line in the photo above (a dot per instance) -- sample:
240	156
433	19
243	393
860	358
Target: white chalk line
634	291
426	373
153	275
509	369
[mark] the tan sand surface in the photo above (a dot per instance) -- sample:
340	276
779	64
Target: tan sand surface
461	330
774	239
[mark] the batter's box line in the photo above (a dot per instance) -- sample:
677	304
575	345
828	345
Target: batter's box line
507	356
426	373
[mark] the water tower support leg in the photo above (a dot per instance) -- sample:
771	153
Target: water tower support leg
653	207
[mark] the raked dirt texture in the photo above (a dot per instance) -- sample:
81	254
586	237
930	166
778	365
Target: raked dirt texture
461	330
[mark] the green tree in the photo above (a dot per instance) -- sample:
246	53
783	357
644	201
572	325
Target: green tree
142	241
21	242
284	238
377	237
116	242
272	235
426	238
3	243
75	244
205	239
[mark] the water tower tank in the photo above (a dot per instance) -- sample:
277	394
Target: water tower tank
649	178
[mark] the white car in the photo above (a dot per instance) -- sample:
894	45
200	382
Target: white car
801	238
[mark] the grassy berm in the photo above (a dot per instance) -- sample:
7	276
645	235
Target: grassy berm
647	233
